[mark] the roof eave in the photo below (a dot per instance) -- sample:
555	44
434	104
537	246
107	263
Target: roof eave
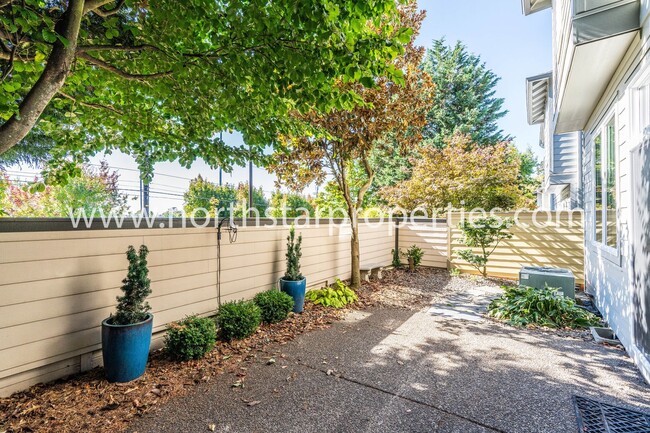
531	6
537	94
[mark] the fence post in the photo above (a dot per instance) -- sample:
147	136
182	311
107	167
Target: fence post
396	254
449	258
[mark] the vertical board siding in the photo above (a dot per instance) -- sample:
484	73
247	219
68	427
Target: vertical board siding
57	287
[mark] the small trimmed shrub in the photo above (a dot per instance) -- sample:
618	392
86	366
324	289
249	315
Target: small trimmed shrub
191	338
274	304
523	306
237	320
337	296
132	307
397	262
414	254
294	253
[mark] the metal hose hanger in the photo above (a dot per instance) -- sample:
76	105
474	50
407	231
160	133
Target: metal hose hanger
231	228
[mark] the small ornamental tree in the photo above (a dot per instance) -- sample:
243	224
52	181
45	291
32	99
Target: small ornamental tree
391	116
132	306
461	174
294	253
484	234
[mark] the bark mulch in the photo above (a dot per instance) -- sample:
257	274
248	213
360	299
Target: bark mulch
88	403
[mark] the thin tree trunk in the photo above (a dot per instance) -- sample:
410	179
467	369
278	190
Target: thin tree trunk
354	224
49	83
355	265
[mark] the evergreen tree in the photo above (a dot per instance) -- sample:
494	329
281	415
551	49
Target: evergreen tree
132	307
293	255
464	100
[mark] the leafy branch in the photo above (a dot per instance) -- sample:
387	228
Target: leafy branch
120	72
484	234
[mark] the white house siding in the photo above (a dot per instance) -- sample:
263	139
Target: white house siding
607	274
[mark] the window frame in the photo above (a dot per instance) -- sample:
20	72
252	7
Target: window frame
614	253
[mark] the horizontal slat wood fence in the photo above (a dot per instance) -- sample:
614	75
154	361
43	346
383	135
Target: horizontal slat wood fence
57	286
538	240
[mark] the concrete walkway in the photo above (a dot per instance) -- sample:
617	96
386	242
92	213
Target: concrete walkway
442	369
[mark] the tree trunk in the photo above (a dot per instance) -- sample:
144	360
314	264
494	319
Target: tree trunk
355	265
49	83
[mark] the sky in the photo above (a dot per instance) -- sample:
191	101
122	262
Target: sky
511	45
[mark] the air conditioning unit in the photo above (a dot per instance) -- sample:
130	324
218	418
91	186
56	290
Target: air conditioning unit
541	277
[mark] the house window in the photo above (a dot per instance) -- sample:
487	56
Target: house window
605	186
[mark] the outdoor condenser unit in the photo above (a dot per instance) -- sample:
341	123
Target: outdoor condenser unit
540	277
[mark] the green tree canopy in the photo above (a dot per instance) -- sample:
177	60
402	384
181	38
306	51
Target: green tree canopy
287	204
203	195
160	79
462	175
345	139
464	101
94	190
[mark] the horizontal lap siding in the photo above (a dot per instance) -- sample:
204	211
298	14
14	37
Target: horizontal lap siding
558	243
376	243
432	239
57	287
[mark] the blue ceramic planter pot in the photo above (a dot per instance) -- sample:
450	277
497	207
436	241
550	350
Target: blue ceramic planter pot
295	289
125	349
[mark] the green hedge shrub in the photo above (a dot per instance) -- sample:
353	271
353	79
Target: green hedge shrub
337	296
415	253
522	306
190	338
237	320
274	304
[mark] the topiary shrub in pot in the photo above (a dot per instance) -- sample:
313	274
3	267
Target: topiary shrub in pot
237	320
293	283
190	338
275	305
126	336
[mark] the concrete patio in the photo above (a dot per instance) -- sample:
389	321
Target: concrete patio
443	368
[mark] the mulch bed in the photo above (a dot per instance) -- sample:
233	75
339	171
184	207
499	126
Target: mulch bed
88	403
401	288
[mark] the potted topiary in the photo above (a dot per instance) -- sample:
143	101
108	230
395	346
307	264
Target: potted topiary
126	336
293	283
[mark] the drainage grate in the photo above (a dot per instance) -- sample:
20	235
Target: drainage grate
596	417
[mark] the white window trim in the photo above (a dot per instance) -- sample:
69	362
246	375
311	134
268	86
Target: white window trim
612	254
